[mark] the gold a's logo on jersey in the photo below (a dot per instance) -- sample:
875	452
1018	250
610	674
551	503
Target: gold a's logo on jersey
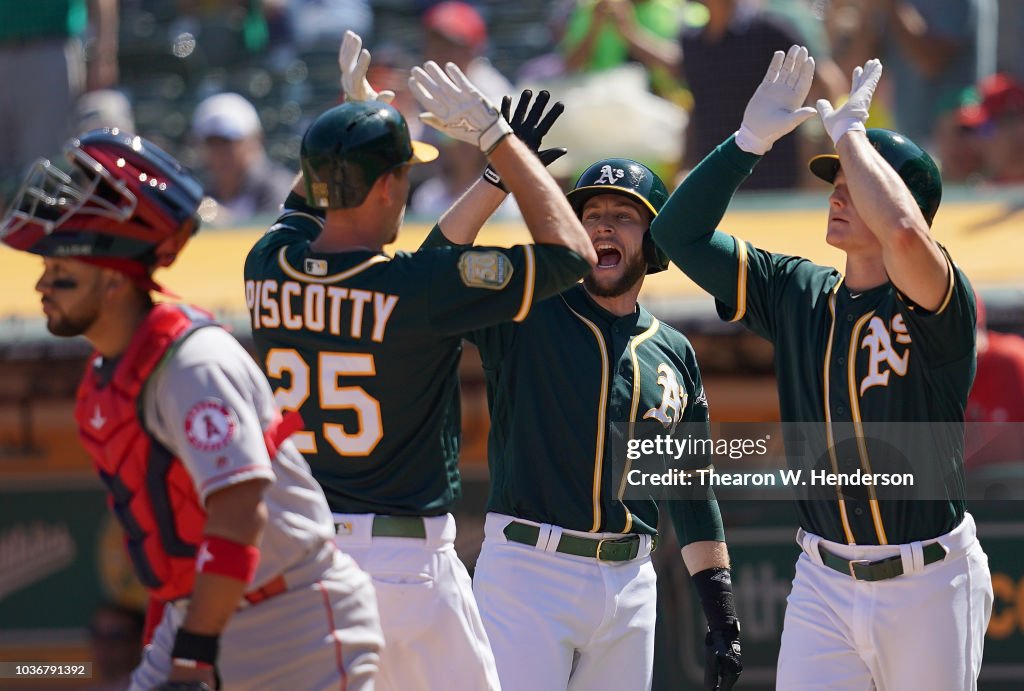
673	399
881	352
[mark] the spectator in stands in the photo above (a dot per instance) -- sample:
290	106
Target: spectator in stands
550	64
1000	119
607	33
928	48
104	108
115	646
41	67
957	138
736	41
225	32
240	176
1010	49
996	397
321	23
455	32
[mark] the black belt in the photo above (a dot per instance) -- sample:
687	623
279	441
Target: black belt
602	549
881	570
396	526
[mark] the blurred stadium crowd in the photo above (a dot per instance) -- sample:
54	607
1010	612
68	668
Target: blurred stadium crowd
229	86
663	79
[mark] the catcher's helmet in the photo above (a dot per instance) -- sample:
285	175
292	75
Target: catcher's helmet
121	197
349	146
911	162
631	179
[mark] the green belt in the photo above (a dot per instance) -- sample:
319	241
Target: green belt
398	526
883	569
602	549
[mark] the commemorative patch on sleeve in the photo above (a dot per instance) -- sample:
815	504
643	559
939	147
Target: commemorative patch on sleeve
485	269
210	425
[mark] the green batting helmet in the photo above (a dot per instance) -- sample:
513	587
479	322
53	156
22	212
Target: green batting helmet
349	146
913	164
631	179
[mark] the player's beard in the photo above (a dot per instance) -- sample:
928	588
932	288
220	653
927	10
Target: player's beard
67	326
61	323
636	268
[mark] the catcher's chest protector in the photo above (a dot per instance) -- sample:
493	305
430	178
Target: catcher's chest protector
149	490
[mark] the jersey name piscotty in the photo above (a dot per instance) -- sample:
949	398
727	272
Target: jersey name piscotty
320	308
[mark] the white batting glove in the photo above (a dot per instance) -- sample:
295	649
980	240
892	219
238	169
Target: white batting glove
354	61
851	115
776	109
456	107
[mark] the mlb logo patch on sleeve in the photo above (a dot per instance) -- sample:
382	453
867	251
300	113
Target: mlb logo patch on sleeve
210	425
315	267
491	269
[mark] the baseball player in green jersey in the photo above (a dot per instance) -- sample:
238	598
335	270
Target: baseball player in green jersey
366	345
888	593
564	581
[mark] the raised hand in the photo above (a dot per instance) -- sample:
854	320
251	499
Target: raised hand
851	115
529	125
354	61
776	109
457	108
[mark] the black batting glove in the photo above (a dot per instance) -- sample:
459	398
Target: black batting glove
527	122
530	127
723	660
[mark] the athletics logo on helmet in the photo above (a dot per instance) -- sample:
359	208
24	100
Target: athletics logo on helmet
912	163
609	175
120	199
349	146
631	179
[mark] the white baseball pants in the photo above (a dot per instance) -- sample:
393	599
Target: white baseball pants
322	633
558	621
434	638
922	630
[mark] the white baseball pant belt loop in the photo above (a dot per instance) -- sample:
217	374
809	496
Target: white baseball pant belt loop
545	537
809	543
881	562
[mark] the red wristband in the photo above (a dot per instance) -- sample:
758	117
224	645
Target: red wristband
227	558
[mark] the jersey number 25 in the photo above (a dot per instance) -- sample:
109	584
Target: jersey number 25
330	366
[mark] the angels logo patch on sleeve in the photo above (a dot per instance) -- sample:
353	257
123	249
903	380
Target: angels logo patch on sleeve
210	425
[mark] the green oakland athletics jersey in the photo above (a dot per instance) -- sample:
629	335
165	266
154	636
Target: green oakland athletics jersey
556	382
366	347
842	359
